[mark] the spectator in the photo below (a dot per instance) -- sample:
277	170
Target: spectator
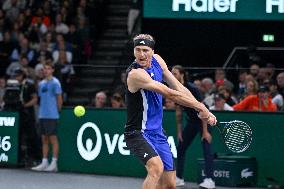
270	69
100	99
242	83
208	91
117	101
277	98
22	64
262	75
259	102
40	22
12	10
220	103
42	54
50	94
62	44
198	84
6	48
169	104
229	98
39	75
253	70
60	26
194	125
28	131
75	40
220	78
50	44
251	88
207	86
280	83
23	48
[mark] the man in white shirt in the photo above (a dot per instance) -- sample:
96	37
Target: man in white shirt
220	103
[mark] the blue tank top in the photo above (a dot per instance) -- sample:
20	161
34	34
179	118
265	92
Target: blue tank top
145	108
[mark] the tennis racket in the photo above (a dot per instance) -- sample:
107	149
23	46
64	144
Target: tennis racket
237	135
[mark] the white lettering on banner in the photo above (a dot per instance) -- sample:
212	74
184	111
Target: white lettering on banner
111	145
122	145
205	5
218	173
275	3
90	152
7	121
4	157
5	144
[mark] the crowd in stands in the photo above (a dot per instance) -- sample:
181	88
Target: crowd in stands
33	32
256	89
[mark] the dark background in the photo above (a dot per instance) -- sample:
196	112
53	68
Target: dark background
208	43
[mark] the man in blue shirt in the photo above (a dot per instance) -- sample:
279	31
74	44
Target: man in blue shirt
50	94
144	134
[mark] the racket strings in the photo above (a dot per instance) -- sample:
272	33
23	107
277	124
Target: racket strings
238	136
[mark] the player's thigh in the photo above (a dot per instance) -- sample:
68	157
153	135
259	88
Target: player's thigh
139	146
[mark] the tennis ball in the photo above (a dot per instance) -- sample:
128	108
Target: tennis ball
79	111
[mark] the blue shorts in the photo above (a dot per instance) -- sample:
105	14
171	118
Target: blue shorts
150	144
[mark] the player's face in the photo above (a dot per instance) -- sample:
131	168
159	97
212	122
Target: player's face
143	55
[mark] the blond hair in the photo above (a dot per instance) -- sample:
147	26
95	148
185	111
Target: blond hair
144	36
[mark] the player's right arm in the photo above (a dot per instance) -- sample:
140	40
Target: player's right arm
139	79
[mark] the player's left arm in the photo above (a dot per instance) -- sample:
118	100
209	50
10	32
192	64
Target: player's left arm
170	79
173	83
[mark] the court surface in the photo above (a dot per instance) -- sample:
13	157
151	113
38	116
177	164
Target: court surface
26	179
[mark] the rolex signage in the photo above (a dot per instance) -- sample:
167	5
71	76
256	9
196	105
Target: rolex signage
215	9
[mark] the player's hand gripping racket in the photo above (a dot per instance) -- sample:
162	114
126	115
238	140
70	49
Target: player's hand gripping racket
237	135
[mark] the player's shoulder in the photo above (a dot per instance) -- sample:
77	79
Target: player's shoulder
158	58
135	73
161	61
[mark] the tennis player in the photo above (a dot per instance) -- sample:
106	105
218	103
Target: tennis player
144	134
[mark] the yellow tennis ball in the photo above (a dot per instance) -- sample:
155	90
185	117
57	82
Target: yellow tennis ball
79	111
